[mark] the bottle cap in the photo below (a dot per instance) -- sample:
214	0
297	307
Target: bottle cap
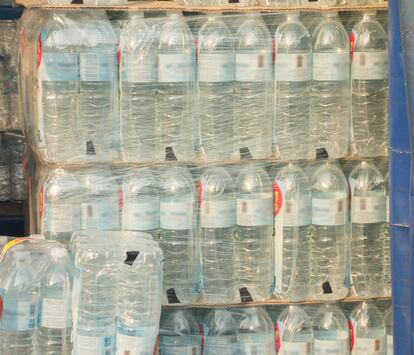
58	252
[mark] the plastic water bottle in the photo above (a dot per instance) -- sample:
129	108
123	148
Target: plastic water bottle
220	333
292	222
59	128
370	87
177	238
217	200
329	235
330	92
367	330
53	335
139	296
20	298
368	218
390	331
98	85
141	208
216	86
100	207
256	333
18	188
253	92
385	235
293	65
179	333
5	188
294	332
254	229
330	331
138	75
175	91
61	206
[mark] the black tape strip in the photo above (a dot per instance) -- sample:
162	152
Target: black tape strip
245	295
90	149
77	2
321	153
327	289
131	257
172	297
234	1
245	153
169	154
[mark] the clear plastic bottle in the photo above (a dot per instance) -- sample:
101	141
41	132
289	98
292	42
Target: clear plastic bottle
370	87
385	235
20	299
330	92
217	222
177	235
220	333
98	86
59	127
368	210
53	335
294	332
179	333
329	234
390	331
292	221
61	210
138	74
330	330
293	65
367	330
253	92
256	334
215	89
141	207
175	123
254	233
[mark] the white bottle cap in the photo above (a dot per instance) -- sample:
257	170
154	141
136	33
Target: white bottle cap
58	252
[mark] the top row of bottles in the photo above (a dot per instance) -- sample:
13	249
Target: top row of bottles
205	92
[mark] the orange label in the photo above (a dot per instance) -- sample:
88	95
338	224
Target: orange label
277	199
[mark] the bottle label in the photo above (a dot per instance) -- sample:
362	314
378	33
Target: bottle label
295	348
223	344
215	67
250	344
175	68
330	347
141	216
98	65
54	314
180	350
89	345
370	65
293	67
329	212
61	218
364	346
132	345
100	216
20	314
390	345
177	215
59	66
369	209
252	66
255	212
138	68
218	214
331	66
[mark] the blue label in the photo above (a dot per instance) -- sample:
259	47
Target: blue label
20	313
98	65
59	66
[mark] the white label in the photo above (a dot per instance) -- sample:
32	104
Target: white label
331	66
61	218
298	348
141	216
177	215
88	345
256	211
173	68
54	313
387	209
292	67
218	214
138	68
330	347
130	345
370	65
365	346
329	212
390	345
215	67
252	66
98	66
369	209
